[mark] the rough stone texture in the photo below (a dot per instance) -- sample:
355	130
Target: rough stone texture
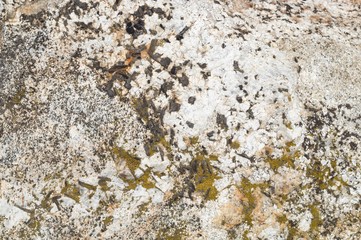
226	119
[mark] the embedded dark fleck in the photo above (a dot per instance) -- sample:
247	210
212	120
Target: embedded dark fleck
288	8
165	62
116	4
347	134
165	87
353	146
284	116
236	67
127	84
146	10
210	134
222	121
174	106
129	28
191	189
141	107
108	88
37	19
173	71
155	128
191	100
191	125
206	74
124	77
139	25
282	89
171	136
160	12
186	62
202	65
117	67
184	80
179	36
81	4
153	32
239	99
149	71
250	113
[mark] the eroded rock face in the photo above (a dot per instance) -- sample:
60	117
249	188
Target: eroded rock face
180	119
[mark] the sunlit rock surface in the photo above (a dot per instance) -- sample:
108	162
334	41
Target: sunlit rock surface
180	119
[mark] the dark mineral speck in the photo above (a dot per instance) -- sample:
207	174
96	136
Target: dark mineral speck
191	100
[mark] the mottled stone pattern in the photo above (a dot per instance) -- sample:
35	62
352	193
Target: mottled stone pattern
176	119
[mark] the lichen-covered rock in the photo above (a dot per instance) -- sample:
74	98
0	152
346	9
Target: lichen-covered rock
226	119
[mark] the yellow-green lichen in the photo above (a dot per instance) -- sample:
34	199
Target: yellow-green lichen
87	186
33	224
205	184
231	234
177	233
316	217
142	208
213	157
52	176
287	159
282	218
247	189
16	99
234	144
103	183
288	125
245	235
71	191
153	146
319	174
193	140
132	161
141	106
324	176
144	180
204	176
46	202
165	144
292	232
107	221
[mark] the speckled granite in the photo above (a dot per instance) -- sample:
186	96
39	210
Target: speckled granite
197	119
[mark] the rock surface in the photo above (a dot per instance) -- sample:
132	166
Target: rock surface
226	119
